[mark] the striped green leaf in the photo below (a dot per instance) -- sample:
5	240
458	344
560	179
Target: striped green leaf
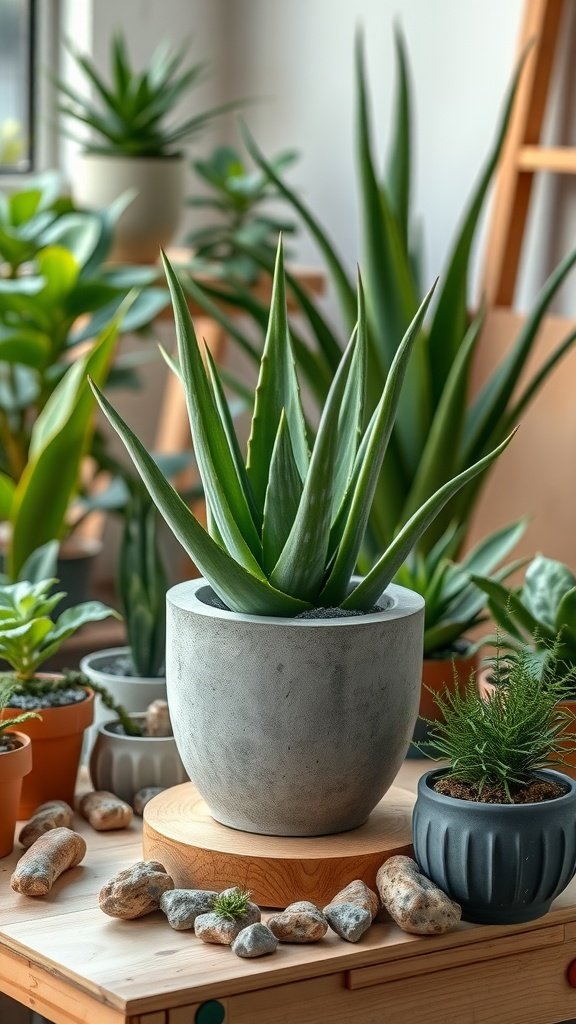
282	497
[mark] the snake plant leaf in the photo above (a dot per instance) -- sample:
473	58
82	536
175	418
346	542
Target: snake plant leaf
7	488
398	175
277	390
450	319
350	420
438	460
367	593
342	283
238	588
378	434
223	488
489	408
59	441
282	497
301	566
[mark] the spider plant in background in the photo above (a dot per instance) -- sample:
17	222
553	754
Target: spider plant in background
440	428
135	139
541	613
286	527
237	196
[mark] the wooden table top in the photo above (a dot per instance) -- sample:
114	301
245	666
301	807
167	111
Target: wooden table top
139	967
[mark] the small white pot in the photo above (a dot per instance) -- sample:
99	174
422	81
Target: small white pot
134	693
151	220
124	764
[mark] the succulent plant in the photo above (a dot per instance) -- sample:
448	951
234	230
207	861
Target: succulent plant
132	109
287	524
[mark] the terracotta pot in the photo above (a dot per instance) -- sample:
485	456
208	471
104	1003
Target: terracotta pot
14	765
56	746
485	688
437	674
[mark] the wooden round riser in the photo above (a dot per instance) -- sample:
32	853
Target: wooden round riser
202	854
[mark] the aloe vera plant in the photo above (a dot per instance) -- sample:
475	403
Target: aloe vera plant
441	427
287	524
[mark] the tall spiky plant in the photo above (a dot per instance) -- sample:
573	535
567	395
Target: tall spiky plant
287	524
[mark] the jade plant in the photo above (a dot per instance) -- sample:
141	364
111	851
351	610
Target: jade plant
540	612
131	112
443	425
497	743
29	633
454	604
286	525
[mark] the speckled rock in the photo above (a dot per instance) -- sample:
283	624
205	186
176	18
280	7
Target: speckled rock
212	927
105	812
255	940
136	891
44	862
158	719
348	920
301	922
53	814
144	796
183	906
413	901
360	894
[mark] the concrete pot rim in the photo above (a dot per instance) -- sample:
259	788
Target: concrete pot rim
427	792
138	716
403	603
89	668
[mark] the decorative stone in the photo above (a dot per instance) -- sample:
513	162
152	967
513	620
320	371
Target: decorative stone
213	927
413	901
144	796
255	940
105	812
348	920
360	894
53	814
301	922
158	719
183	906
44	862
136	891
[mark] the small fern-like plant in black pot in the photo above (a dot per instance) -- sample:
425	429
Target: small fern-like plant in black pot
495	828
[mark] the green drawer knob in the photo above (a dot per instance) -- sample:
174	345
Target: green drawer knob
211	1012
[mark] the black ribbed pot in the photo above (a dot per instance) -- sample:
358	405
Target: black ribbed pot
503	863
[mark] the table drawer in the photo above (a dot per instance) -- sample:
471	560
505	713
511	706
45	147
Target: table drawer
528	987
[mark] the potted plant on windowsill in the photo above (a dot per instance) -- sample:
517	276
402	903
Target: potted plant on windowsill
290	725
454	606
15	763
539	613
135	674
495	830
29	635
133	144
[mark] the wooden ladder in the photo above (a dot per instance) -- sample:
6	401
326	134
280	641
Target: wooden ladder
523	155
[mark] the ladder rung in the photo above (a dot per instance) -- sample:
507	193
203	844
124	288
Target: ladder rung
558	159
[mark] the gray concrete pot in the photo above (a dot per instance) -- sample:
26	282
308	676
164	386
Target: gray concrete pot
124	764
503	863
292	727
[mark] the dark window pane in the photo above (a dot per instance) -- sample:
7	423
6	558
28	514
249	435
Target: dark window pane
16	85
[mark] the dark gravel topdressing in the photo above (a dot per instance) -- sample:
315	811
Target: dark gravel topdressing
336	613
55	699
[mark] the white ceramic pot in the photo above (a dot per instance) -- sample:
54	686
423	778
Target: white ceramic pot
292	726
124	764
151	220
135	693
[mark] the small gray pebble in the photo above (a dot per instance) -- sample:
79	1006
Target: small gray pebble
183	906
348	920
144	796
255	940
